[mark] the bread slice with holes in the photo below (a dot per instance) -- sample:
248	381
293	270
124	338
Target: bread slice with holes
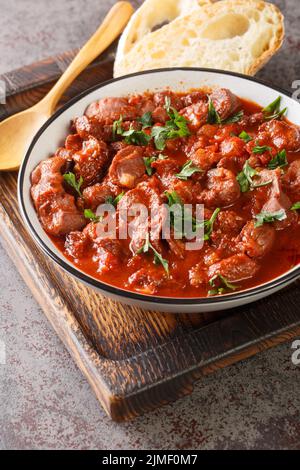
152	15
236	35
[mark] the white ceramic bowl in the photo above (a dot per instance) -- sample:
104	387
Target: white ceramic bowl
52	135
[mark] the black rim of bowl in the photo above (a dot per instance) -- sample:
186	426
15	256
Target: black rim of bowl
119	292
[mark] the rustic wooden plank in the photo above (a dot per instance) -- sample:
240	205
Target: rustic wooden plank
134	360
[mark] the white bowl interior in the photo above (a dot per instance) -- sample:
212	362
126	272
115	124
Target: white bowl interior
178	80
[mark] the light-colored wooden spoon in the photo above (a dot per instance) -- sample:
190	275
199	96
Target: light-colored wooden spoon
17	131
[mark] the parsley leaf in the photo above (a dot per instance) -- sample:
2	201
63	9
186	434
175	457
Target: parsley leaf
258	149
70	178
269	217
146	120
188	170
221	285
213	116
272	111
235	118
173	198
160	135
114	201
246	137
158	259
89	214
208	225
279	161
132	136
296	206
147	162
117	128
176	127
245	178
136	137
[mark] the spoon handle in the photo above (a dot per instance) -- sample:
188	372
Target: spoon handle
113	24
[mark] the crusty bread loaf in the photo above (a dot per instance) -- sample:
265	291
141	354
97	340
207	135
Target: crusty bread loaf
151	15
235	35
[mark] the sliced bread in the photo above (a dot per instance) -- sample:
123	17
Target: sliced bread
235	35
152	15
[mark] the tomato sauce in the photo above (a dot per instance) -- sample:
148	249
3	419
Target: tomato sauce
239	161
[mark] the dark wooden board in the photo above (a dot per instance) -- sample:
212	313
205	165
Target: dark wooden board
134	360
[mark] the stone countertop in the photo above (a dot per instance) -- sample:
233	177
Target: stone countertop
45	402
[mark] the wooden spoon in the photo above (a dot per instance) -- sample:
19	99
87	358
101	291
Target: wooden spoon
17	131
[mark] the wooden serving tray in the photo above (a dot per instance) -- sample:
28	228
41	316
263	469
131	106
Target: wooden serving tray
134	360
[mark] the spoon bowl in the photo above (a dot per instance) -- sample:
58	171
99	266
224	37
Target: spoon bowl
16	133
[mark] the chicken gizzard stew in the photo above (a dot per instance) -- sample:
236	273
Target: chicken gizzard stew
236	161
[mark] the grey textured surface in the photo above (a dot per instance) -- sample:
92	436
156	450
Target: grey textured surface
45	402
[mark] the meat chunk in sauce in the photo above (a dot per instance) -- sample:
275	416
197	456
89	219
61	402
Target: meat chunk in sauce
225	102
127	167
232	147
147	280
222	188
291	180
256	242
110	254
77	244
235	269
90	127
108	110
196	114
145	194
279	134
273	198
98	193
91	161
56	209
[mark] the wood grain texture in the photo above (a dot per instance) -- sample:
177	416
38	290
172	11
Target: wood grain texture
134	360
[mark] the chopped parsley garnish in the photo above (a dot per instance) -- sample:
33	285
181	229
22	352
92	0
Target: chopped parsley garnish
245	178
269	217
296	206
245	136
220	285
272	111
158	259
117	128
208	225
279	161
173	198
146	120
188	170
132	136
114	201
70	178
89	214
214	117
235	118
147	162
136	137
258	149
176	127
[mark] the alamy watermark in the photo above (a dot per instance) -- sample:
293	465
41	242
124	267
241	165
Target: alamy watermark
296	354
180	221
296	93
